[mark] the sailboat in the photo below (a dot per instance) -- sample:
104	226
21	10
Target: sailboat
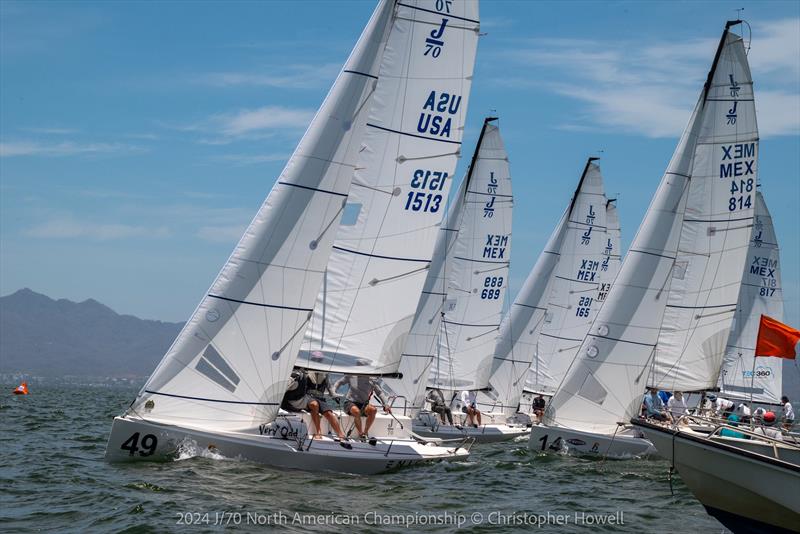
675	296
558	300
761	293
453	336
397	107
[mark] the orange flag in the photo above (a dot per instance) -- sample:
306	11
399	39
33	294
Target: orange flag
777	339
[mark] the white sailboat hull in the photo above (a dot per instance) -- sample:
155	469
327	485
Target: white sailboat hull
624	445
746	491
135	439
427	425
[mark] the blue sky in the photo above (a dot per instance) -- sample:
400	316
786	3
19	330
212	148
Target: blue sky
139	138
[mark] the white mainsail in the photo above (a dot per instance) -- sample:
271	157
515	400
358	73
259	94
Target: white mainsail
694	222
580	282
228	368
478	273
422	345
385	243
743	376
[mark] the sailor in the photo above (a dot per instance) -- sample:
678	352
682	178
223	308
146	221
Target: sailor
721	407
768	420
743	412
538	407
733	420
676	407
469	406
306	391
787	413
360	391
654	406
439	406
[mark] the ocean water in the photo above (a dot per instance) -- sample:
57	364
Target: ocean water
54	479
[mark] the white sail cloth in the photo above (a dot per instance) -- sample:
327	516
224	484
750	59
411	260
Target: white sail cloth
566	280
578	287
412	142
742	375
479	272
229	366
716	230
686	234
422	344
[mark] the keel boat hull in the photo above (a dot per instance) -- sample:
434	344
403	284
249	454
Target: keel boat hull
136	439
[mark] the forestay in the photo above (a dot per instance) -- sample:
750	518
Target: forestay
742	375
717	225
385	242
229	366
479	275
609	375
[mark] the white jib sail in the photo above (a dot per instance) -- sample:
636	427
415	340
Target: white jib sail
580	282
479	272
605	384
717	225
229	366
742	376
385	242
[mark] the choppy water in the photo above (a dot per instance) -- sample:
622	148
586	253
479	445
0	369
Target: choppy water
53	478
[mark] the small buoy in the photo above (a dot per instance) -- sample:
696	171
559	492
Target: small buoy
21	389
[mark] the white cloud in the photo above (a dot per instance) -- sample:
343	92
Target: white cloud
650	88
249	124
292	77
252	159
66	148
264	118
68	227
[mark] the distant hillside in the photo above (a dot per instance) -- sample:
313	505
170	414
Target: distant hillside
42	336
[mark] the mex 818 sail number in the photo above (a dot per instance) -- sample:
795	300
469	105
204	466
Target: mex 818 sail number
148	445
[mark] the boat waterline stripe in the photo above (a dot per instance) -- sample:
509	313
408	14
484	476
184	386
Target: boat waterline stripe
260	304
414	135
211	400
378	255
467	324
701	307
437	13
314	189
478	261
360	73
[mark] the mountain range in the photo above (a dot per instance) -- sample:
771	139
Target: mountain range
46	337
